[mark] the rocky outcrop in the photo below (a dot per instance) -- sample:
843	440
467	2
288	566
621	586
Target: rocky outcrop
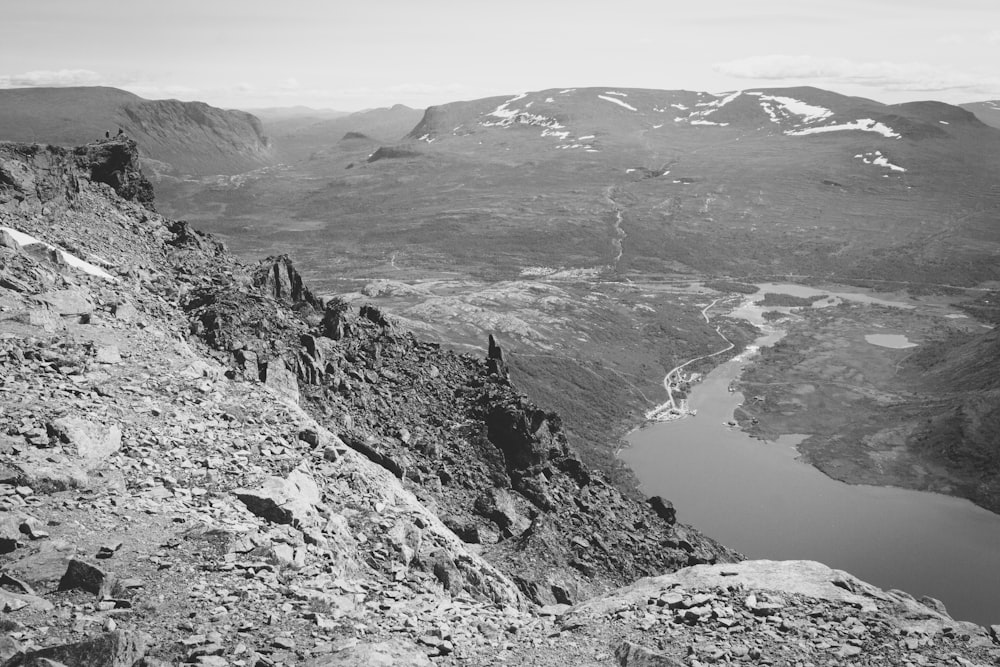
116	163
279	280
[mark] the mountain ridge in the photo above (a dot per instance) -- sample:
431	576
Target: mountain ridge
187	137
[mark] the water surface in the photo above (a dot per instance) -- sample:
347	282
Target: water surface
757	498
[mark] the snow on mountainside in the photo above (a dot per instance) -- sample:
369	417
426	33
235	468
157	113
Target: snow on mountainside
568	117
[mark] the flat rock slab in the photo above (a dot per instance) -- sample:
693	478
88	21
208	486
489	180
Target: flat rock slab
797	577
93	442
393	653
68	301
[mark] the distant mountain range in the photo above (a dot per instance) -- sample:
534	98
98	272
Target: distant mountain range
299	135
799	181
174	137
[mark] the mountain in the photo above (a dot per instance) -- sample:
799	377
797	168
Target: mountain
179	137
301	112
298	137
988	112
211	465
764	182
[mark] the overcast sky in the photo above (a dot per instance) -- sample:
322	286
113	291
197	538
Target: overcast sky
367	53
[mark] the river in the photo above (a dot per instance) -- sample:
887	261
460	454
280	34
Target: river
757	498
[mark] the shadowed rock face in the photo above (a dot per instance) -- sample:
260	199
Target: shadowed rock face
116	163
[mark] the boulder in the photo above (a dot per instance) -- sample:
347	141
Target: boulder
664	509
93	442
68	302
87	577
10	602
291	500
277	277
33	469
629	654
10	533
391	653
111	649
281	380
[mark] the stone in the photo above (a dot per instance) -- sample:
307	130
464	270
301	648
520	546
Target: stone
288	501
281	380
9	647
10	533
68	302
111	649
15	601
32	527
629	654
124	311
93	442
44	476
935	604
87	577
664	509
108	354
391	653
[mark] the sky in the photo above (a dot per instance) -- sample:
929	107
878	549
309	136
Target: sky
362	54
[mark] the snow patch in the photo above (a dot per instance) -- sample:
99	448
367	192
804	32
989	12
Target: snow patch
944	122
23	239
700	121
863	124
615	92
549	100
555	133
680	107
876	158
656	127
568	90
719	103
589	136
810	113
618	102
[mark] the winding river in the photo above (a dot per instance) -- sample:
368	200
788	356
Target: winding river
757	498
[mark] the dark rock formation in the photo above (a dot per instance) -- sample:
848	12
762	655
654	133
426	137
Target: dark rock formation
277	277
116	163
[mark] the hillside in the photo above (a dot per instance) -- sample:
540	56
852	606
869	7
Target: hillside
205	464
178	137
988	112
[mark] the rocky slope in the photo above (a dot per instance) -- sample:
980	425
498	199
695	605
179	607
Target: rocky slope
176	137
202	463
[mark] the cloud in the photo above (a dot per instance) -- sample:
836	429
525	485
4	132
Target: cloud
993	37
62	77
885	75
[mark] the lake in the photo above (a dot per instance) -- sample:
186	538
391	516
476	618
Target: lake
755	497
